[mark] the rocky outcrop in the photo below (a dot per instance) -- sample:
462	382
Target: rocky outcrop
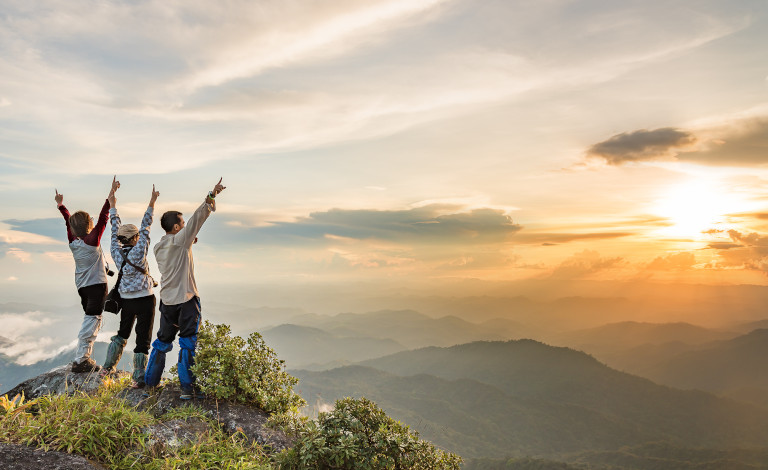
232	417
59	381
18	457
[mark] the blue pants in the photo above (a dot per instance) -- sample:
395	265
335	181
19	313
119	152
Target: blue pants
184	320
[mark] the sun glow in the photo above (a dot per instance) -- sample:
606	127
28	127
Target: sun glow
697	206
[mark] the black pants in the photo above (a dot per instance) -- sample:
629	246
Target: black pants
141	311
183	319
92	298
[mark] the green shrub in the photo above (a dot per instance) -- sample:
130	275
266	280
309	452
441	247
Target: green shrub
248	371
359	435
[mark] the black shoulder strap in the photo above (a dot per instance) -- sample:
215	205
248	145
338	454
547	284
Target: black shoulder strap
126	260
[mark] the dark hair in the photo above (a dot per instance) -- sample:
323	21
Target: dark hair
169	219
79	223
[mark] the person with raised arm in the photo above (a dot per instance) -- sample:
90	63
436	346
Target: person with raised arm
90	275
179	300
129	251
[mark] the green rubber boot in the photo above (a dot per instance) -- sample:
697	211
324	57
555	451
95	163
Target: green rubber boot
114	353
139	366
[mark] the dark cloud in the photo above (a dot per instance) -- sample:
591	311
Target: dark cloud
434	224
674	261
584	263
642	145
54	227
744	143
741	143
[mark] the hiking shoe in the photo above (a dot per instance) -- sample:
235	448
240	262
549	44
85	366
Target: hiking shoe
135	384
87	365
188	393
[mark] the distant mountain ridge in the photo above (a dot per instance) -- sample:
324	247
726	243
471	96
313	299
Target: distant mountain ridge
521	393
308	347
408	327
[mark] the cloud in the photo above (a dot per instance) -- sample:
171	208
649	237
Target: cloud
550	239
20	254
723	245
642	145
583	264
743	142
740	142
49	227
20	324
433	224
747	251
674	261
195	82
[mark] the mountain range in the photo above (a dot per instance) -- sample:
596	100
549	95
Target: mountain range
497	399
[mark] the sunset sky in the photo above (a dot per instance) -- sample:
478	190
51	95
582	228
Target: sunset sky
391	140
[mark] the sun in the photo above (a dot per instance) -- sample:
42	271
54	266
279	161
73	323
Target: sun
696	206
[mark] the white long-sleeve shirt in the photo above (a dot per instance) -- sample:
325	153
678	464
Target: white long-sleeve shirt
174	259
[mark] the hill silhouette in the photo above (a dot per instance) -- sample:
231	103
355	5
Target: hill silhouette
408	327
720	367
522	393
306	347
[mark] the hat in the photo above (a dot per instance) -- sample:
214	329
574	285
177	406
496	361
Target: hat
127	231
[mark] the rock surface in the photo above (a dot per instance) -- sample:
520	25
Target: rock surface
232	417
18	457
58	381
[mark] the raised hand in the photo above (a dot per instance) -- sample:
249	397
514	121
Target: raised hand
59	198
155	194
115	184
218	188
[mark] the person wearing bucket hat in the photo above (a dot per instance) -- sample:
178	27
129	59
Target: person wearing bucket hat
129	248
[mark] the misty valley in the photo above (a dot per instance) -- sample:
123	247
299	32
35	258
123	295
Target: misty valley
602	390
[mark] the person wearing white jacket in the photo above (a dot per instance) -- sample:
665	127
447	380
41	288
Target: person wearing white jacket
179	300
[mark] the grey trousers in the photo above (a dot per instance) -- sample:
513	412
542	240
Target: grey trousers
88	331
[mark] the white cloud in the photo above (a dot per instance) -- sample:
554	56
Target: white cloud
20	254
170	85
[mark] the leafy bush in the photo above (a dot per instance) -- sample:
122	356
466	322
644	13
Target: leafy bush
248	371
359	435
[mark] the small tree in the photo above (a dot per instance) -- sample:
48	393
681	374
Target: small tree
358	435
248	371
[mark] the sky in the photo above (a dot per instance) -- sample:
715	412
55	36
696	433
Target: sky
393	142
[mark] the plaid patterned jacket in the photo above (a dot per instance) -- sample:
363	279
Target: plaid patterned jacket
133	280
